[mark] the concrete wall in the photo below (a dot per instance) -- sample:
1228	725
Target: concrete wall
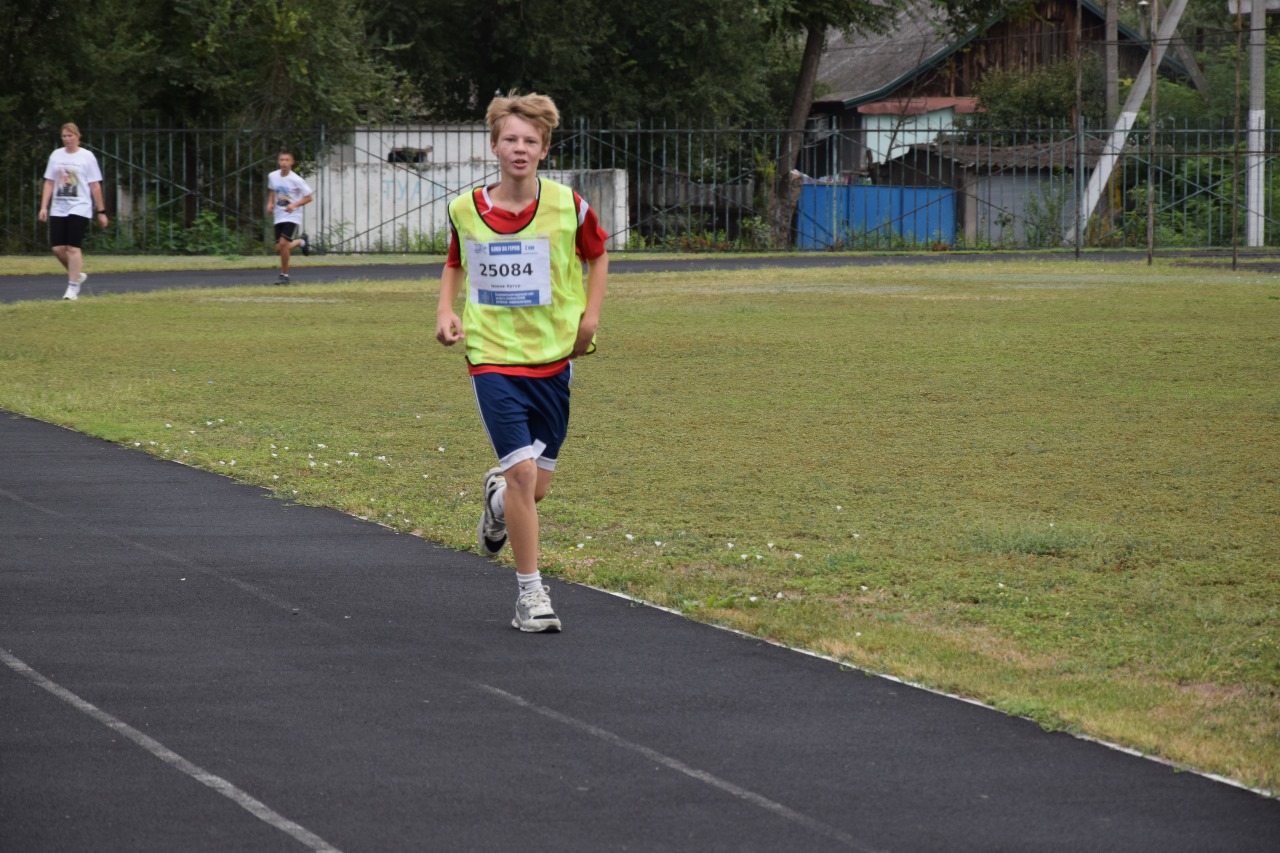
389	189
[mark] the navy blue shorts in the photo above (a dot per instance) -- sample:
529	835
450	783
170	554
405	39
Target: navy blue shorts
526	417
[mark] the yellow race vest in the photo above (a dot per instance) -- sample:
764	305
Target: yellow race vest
525	294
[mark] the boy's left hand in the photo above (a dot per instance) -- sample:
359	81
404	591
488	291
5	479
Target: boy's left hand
586	331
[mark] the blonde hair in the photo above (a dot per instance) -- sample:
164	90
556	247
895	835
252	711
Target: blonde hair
539	110
71	126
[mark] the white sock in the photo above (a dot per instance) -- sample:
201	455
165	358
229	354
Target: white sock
528	583
498	503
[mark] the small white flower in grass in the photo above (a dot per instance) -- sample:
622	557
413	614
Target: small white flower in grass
382	459
326	464
309	456
591	537
630	537
745	556
191	432
839	507
275	476
441	449
857	536
753	598
221	421
656	542
581	545
286	447
759	556
770	544
208	423
312	463
322	446
186	451
275	455
729	545
1000	585
1051	524
233	462
799	556
426	476
857	633
273	447
295	491
137	444
417	417
863	587
352	453
221	462
779	595
168	426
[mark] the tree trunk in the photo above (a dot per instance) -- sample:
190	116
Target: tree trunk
785	194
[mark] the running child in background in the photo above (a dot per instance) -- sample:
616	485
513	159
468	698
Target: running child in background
517	246
287	193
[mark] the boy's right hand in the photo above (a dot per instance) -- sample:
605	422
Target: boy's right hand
449	329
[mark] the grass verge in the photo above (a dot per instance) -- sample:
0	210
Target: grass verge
1049	487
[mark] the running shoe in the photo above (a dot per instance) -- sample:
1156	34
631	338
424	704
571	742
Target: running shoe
492	532
306	245
73	289
534	613
282	279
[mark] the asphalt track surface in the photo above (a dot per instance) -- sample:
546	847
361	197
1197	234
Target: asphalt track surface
188	664
14	288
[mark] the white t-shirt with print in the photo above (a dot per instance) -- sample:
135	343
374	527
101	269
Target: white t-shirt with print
285	190
71	175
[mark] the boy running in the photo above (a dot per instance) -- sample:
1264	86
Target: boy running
287	192
518	247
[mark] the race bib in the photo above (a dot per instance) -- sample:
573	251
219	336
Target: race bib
510	273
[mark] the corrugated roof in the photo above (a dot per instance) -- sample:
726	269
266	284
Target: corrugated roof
871	66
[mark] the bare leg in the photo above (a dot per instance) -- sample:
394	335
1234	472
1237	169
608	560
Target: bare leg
526	485
60	252
284	249
74	263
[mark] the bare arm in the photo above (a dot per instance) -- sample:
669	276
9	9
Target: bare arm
597	281
95	190
448	325
299	203
45	194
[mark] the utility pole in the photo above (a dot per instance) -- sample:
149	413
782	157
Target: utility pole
1255	176
1115	142
1111	58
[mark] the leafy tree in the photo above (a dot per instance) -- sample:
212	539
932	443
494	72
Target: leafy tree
1014	99
679	60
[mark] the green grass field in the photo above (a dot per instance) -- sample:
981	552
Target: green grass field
1048	486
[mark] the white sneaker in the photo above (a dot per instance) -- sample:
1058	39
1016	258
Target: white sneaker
491	534
73	289
534	613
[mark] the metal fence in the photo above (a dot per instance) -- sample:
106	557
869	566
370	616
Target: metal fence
386	189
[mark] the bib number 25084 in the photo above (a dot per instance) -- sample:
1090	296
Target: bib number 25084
510	273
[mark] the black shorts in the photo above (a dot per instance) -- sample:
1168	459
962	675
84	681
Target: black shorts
287	230
67	230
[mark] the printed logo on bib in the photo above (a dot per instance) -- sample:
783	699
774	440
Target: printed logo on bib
510	273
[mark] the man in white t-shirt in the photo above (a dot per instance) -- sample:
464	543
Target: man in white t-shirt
287	192
72	192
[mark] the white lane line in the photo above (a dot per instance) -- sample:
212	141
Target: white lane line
255	807
815	826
